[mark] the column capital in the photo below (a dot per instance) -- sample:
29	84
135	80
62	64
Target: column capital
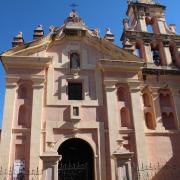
147	42
175	91
51	157
11	81
110	85
134	86
38	83
11	85
155	90
166	43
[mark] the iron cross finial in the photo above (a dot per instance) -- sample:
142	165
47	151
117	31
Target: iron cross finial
74	5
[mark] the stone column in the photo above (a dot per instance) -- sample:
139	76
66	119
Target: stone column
35	141
161	24
147	48
142	23
167	53
8	118
138	117
157	109
112	123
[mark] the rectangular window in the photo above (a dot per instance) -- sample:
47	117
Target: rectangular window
75	111
75	91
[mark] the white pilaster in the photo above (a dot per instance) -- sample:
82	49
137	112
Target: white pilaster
8	117
142	23
148	53
37	106
167	55
161	24
138	118
112	123
176	99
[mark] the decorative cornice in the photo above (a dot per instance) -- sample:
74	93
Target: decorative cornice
106	64
26	61
146	36
160	71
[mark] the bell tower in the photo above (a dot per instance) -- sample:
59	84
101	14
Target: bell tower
147	35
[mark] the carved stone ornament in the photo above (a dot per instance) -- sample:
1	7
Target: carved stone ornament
51	145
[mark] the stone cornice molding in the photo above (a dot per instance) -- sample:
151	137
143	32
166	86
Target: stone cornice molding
51	157
125	156
26	62
149	37
110	85
134	86
106	65
12	79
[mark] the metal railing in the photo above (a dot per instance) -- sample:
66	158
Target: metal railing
23	175
156	172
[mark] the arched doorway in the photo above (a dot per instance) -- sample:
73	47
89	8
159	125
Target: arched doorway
77	160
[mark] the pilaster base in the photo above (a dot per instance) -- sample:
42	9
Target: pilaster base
50	165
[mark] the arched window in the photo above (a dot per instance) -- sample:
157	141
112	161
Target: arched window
22	92
24	89
149	121
121	94
138	51
74	60
165	100
150	28
168	121
23	116
125	118
150	24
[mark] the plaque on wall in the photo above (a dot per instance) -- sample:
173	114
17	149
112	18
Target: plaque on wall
19	170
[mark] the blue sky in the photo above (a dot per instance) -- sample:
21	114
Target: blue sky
25	15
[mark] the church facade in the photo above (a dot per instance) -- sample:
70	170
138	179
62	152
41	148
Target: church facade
78	107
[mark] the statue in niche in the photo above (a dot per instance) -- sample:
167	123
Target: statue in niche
74	61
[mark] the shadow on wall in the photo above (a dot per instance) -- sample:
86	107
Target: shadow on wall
169	170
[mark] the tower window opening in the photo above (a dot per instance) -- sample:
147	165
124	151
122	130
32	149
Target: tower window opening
74	61
138	51
150	28
75	91
150	22
156	57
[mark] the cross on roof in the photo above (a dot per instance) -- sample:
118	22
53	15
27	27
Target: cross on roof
73	5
